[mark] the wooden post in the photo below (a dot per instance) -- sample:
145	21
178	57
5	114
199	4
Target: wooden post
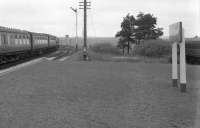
85	24
174	65
85	5
76	28
182	65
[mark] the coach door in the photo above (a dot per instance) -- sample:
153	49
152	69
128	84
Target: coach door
2	41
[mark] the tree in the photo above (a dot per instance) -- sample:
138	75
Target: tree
126	33
121	44
134	30
146	27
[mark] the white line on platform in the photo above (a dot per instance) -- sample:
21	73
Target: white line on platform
17	67
64	58
50	58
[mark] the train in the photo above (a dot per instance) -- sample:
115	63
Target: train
193	51
16	44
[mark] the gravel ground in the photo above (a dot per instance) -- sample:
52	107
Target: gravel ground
77	94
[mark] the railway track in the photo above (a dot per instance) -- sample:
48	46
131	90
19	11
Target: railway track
59	54
17	62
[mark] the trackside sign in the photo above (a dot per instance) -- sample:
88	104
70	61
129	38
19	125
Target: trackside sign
175	32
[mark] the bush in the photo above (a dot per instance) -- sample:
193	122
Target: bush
106	48
153	48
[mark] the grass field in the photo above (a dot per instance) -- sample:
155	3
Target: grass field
160	48
148	51
91	41
153	48
96	94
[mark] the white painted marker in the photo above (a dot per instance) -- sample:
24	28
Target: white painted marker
182	65
174	65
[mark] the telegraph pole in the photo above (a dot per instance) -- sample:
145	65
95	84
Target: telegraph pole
85	5
85	24
76	12
76	27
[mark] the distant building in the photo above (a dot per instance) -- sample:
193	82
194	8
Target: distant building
67	36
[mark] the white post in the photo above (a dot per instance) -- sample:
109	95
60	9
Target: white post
182	65
174	65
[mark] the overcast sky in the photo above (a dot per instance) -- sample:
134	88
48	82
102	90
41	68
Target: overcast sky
55	17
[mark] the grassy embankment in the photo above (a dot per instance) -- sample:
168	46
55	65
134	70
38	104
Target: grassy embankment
147	50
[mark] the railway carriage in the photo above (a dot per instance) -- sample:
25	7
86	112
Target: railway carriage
2	40
53	42
39	41
14	41
16	44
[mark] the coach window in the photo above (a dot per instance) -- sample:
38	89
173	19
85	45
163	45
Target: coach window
23	39
18	42
0	39
41	40
26	39
38	40
35	40
8	38
15	39
11	39
19	39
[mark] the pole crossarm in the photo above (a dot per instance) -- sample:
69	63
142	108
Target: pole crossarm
82	4
74	9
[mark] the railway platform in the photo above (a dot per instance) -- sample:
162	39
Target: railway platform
65	92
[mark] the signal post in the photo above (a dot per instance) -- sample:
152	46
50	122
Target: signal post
176	35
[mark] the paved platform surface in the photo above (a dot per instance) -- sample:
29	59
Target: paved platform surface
77	94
